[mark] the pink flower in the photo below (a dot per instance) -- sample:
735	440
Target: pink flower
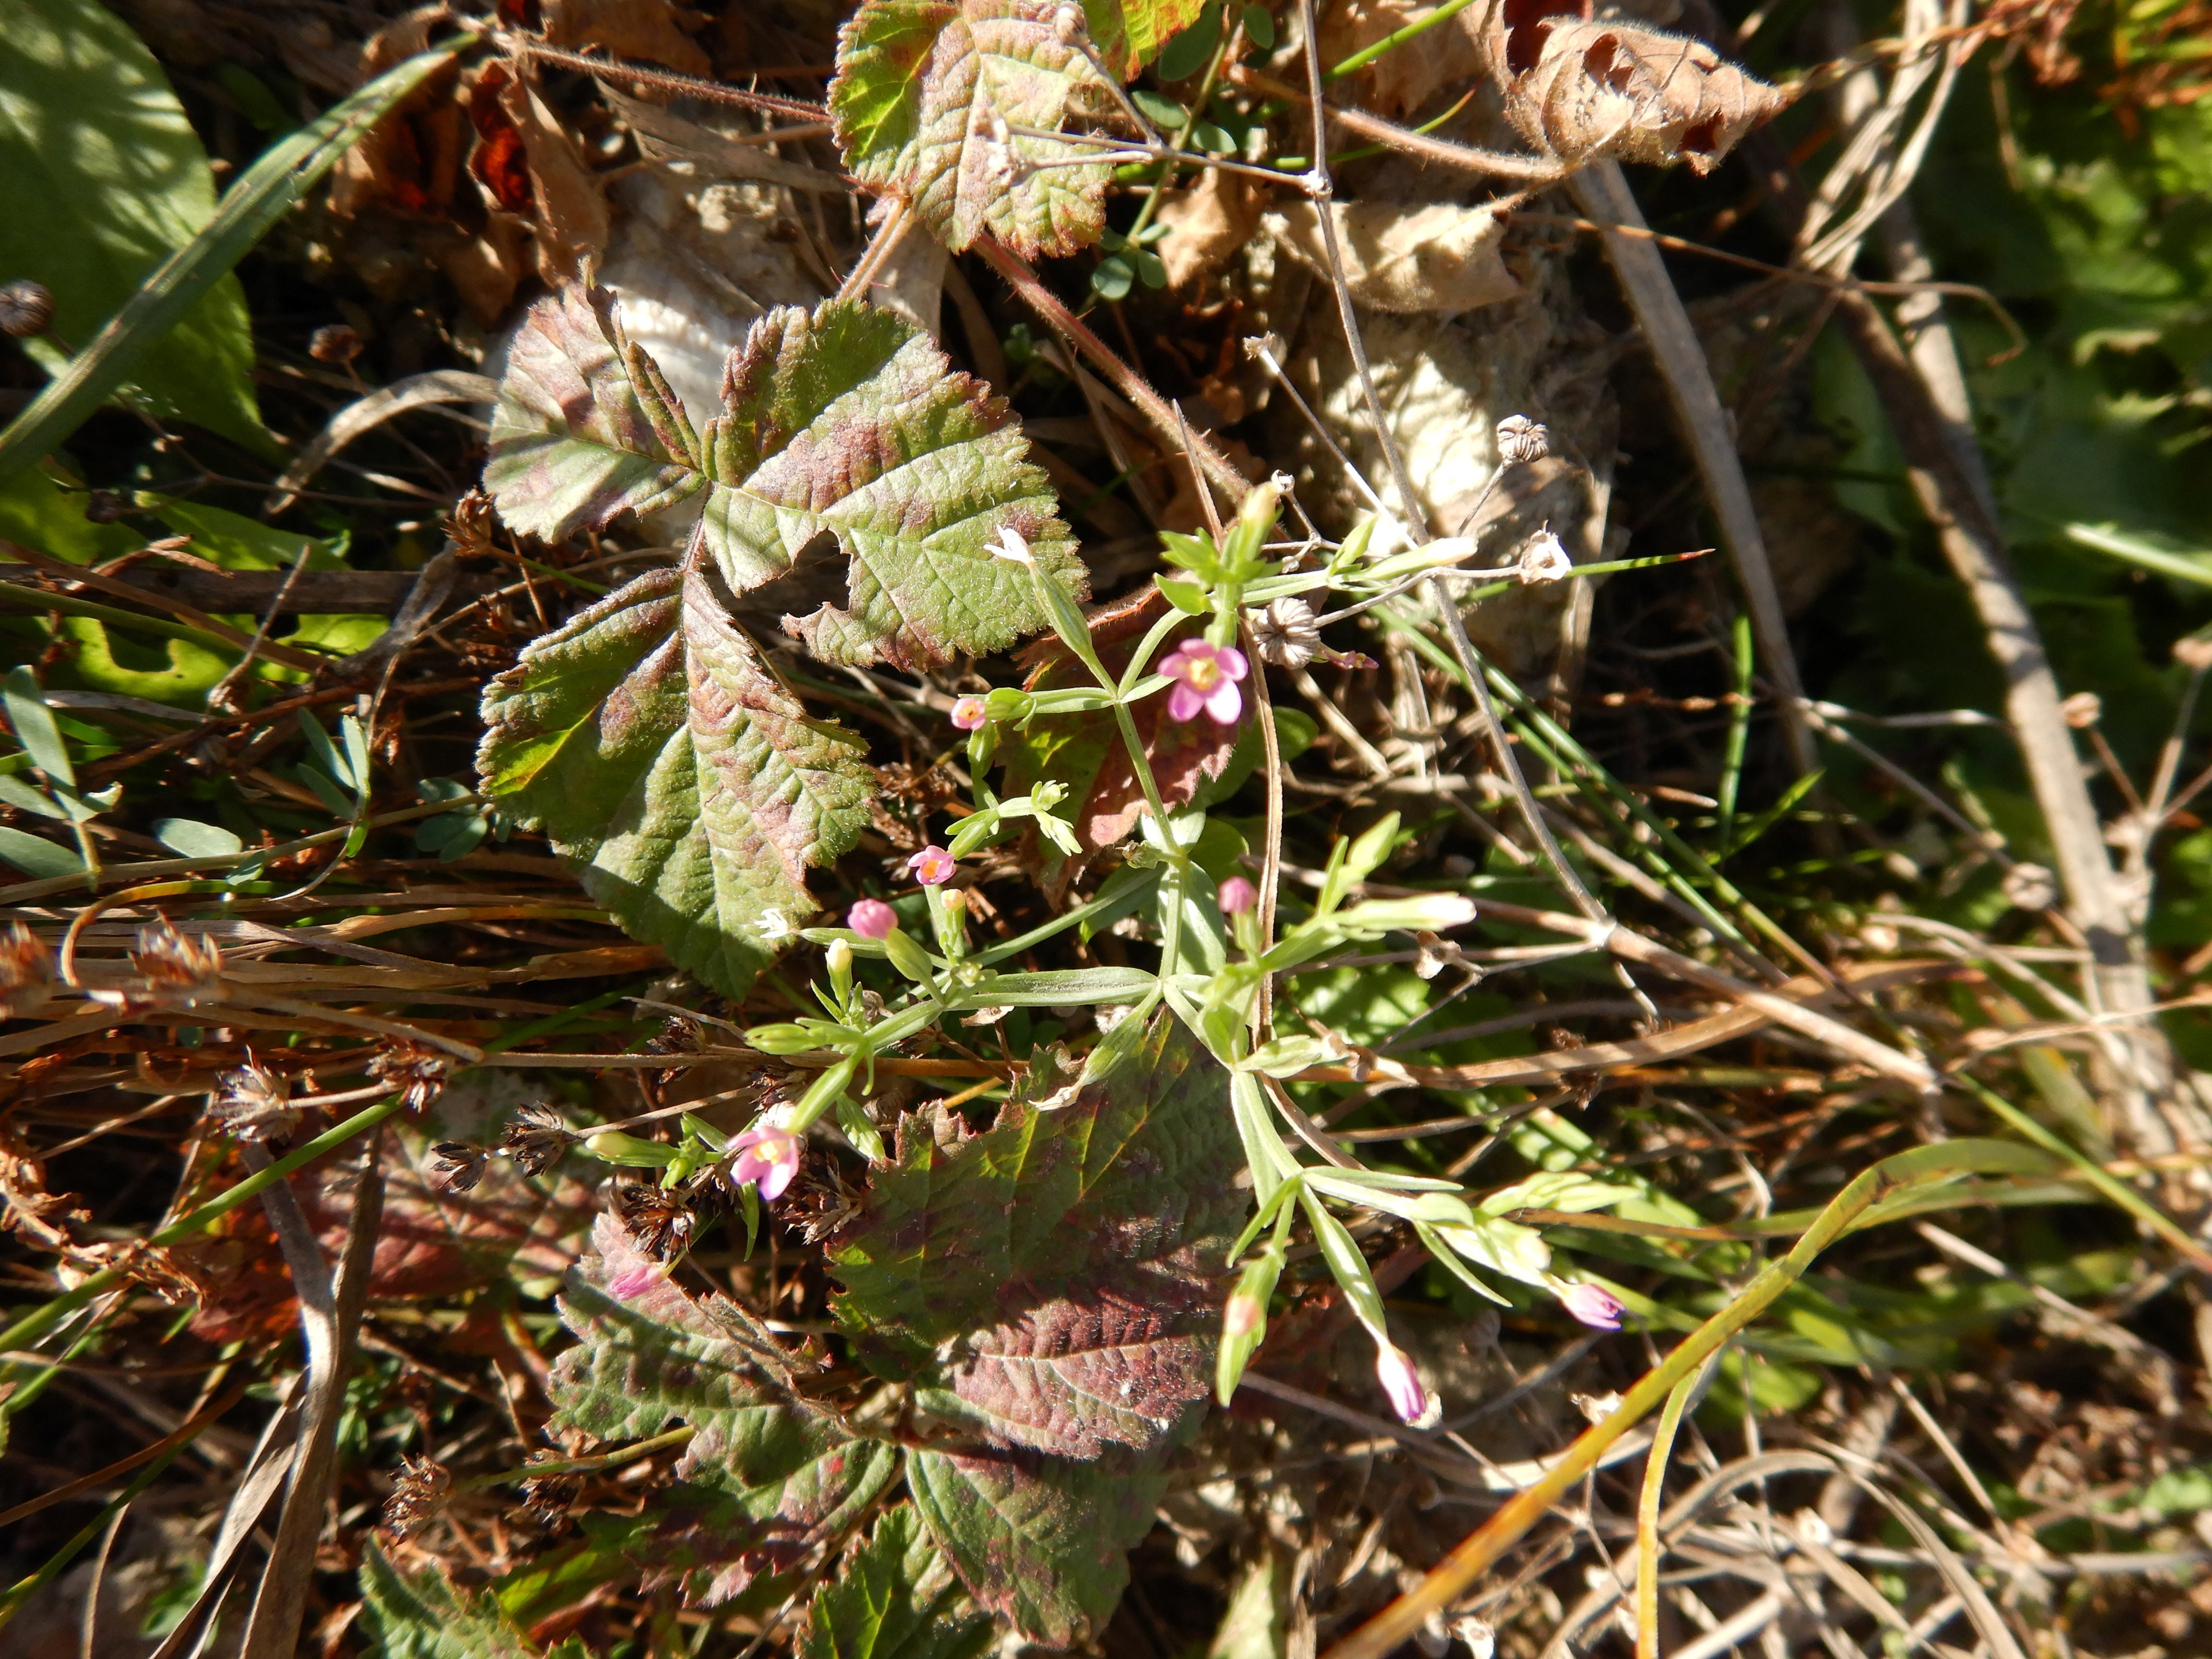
1244	1316
769	1158
1400	1381
871	919
1593	1305
1208	674
968	713
932	866
1238	895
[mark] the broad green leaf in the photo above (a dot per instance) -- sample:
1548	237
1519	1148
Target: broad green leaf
893	1598
34	855
1048	1281
1041	1541
927	98
194	840
585	428
426	1617
652	743
844	425
107	179
769	1476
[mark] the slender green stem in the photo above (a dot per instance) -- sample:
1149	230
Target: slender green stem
1739	738
1366	55
36	1323
12	1602
1480	1549
1647	1512
613	1459
1180	140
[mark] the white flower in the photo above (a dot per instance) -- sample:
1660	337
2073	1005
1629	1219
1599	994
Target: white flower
773	925
1011	546
1545	559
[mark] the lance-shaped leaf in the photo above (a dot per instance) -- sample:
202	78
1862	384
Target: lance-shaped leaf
894	1598
652	743
585	428
1046	1281
848	421
930	99
769	1477
1040	1541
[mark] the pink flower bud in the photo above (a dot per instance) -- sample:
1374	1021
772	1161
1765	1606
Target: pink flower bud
1593	1305
932	866
871	919
1238	896
969	713
1401	1382
1243	1317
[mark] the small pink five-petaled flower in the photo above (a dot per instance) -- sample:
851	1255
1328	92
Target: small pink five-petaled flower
767	1157
1593	1305
1208	677
933	867
969	713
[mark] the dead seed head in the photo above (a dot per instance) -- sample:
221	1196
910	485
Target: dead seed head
1285	634
1544	560
417	1073
27	972
2030	887
536	1139
547	1498
174	971
417	1493
457	1166
27	309
2082	710
660	1223
253	1104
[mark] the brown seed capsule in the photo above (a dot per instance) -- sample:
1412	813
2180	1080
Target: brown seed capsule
1520	439
1286	633
417	1491
417	1072
536	1139
27	309
334	343
252	1103
659	1222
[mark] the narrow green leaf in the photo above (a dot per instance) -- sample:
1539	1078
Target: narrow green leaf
107	179
265	193
191	839
36	856
33	723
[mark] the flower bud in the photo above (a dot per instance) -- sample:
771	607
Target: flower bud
871	919
26	309
783	1039
1238	896
1402	1383
1593	1305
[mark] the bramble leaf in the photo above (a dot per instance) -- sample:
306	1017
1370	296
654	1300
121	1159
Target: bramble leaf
893	1598
585	428
768	1476
843	424
929	100
425	1617
653	744
1041	1541
1046	1282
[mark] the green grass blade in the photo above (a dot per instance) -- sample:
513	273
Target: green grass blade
270	188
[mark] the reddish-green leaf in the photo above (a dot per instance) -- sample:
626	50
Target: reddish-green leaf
893	1598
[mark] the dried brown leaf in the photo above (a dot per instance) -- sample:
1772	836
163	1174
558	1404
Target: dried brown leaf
651	31
1396	257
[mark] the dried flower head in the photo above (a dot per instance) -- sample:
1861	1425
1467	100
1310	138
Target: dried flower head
27	972
1544	560
417	1493
547	1498
174	971
458	1165
334	343
27	309
253	1104
1285	634
417	1073
1520	439
2031	887
2082	710
659	1222
535	1138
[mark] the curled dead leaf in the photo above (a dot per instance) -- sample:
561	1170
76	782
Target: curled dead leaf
1440	257
1585	89
1206	225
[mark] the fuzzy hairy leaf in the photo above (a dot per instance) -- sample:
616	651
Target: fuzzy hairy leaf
768	1477
925	100
1041	1541
585	428
893	1598
425	1617
1045	1282
652	743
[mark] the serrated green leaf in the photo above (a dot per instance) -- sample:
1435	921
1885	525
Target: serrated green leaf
849	421
425	1617
770	1475
107	179
651	742
894	1598
926	96
584	429
1041	1541
1048	1280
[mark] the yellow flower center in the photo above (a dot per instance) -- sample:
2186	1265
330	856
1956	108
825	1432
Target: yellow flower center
1202	674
